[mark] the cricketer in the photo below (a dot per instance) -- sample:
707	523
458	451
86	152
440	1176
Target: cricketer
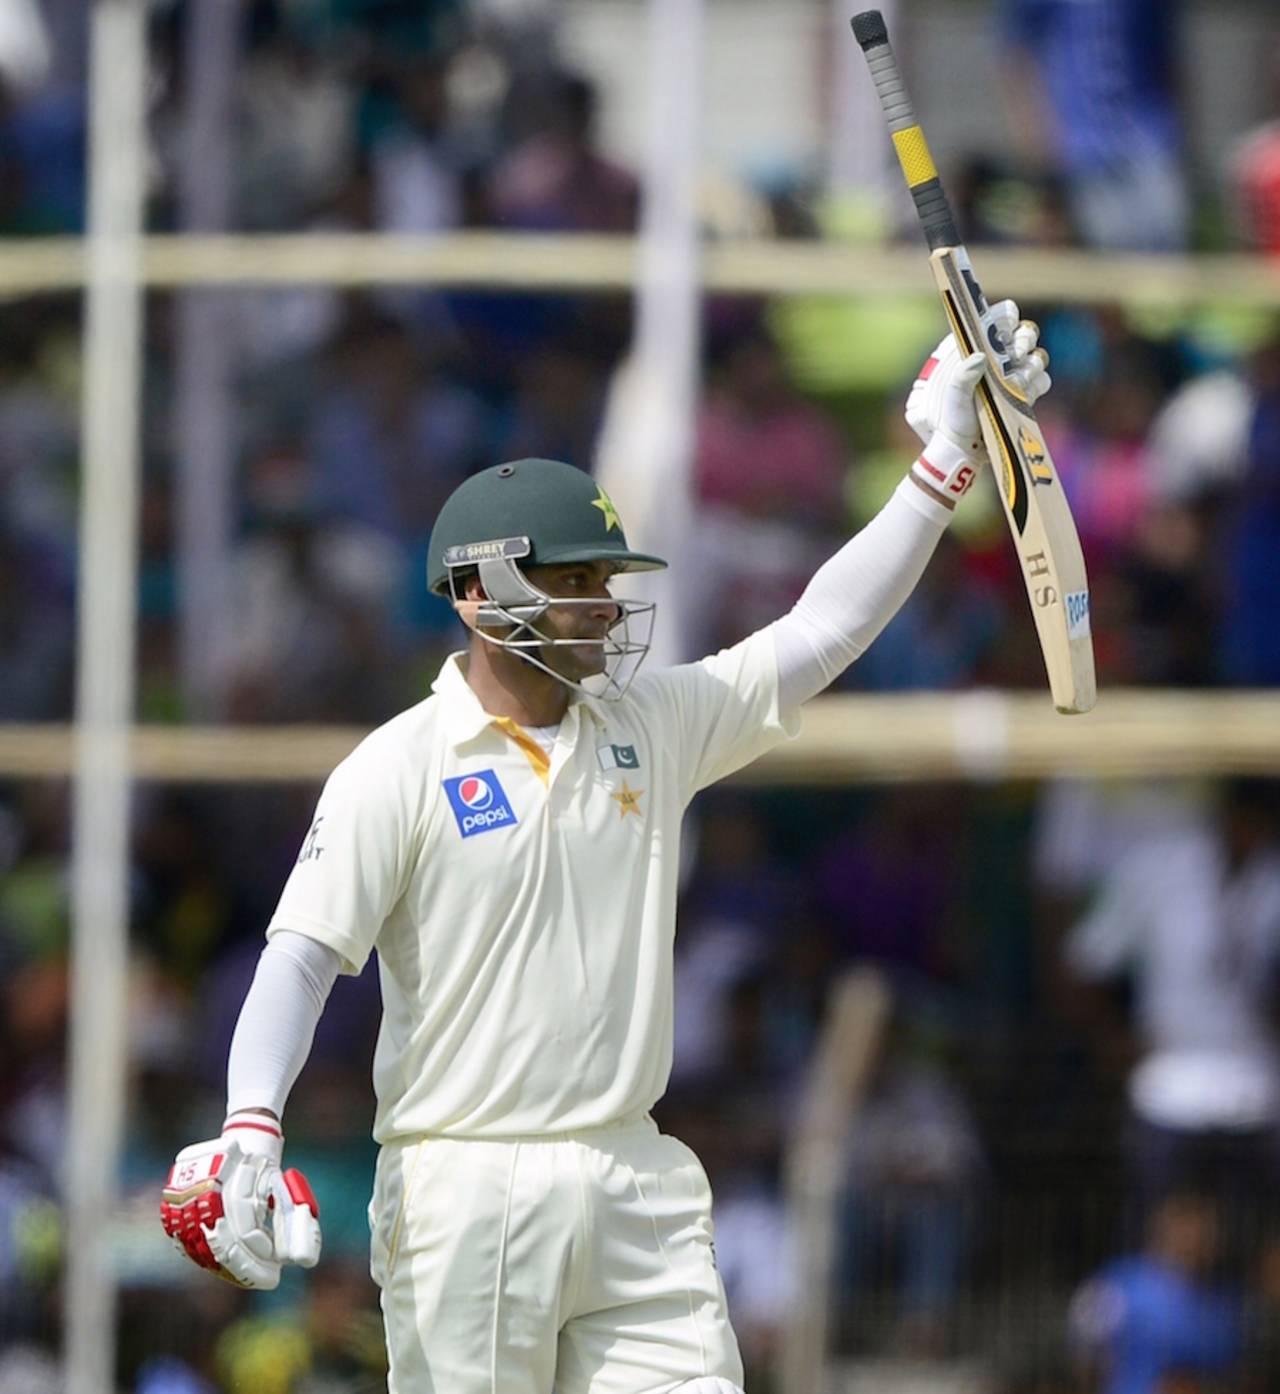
509	847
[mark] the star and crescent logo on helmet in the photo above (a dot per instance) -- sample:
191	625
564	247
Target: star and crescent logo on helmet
604	503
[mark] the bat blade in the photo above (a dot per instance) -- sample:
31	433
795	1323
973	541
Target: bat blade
1039	517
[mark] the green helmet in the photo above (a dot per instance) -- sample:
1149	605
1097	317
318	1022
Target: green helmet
536	511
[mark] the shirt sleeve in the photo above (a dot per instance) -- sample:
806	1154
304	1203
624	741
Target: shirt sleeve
1107	940
352	865
723	711
854	594
277	1023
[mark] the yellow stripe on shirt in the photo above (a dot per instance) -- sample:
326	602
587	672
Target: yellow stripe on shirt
534	753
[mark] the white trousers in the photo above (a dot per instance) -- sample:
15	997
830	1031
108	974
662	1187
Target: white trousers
579	1263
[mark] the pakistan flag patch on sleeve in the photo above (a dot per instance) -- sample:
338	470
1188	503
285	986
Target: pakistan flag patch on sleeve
617	757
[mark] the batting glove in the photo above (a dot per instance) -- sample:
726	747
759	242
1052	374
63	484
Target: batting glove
953	448
1028	365
941	409
228	1207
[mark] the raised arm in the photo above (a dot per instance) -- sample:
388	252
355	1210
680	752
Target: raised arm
858	591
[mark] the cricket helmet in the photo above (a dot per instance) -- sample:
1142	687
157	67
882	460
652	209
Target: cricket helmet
560	512
536	513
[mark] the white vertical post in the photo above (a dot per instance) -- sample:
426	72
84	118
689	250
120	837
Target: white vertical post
204	363
104	682
646	448
852	1033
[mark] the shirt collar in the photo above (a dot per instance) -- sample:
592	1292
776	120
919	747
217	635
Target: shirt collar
465	718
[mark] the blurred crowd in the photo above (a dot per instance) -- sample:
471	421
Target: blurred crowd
1064	1161
1066	1157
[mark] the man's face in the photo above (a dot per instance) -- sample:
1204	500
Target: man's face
590	619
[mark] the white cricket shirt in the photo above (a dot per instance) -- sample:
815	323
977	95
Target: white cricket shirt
523	906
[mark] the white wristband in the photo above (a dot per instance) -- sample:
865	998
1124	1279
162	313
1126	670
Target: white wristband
258	1134
945	467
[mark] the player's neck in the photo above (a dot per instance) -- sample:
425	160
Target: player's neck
508	686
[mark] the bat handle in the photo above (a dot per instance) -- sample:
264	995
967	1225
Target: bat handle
908	139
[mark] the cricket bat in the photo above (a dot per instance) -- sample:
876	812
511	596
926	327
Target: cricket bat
1039	516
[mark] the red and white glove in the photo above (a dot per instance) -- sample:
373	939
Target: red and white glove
941	409
228	1207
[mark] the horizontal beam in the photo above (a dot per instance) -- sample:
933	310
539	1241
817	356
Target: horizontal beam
846	740
1008	735
540	262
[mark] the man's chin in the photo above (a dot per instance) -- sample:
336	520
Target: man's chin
590	667
576	663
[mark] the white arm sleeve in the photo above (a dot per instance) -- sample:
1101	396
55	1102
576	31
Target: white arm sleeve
1109	938
856	593
278	1020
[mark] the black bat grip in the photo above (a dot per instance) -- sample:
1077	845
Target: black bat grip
936	218
868	29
